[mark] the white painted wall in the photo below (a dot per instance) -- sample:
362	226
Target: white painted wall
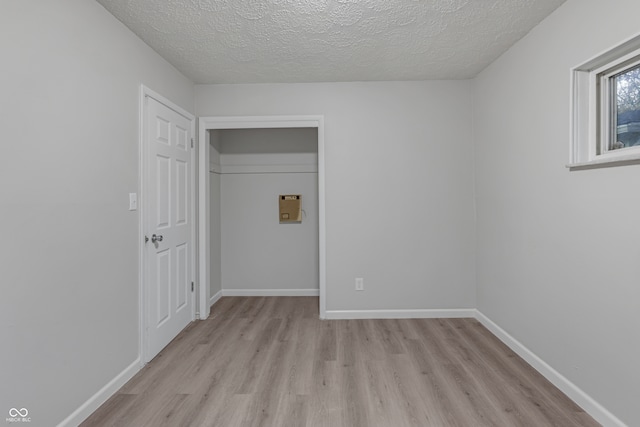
70	81
215	226
259	253
399	188
557	251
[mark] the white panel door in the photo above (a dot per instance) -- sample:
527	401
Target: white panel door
168	225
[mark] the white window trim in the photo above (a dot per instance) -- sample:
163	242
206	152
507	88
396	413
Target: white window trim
585	115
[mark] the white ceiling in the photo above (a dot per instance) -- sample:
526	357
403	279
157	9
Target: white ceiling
260	41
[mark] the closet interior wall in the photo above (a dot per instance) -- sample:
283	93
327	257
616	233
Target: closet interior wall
252	253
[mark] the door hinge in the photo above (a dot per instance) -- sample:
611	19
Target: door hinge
191	142
191	286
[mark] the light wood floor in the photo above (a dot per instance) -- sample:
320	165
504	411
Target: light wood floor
271	362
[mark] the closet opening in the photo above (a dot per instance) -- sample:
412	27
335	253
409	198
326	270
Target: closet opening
250	167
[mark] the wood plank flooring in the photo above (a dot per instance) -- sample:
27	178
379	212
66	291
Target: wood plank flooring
271	362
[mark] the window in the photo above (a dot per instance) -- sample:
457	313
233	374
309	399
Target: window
605	111
619	107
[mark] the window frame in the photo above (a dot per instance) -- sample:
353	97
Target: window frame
593	105
607	102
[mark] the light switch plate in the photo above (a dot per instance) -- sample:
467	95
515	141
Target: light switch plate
133	201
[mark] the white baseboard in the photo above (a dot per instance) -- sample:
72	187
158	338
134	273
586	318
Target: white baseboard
214	299
582	399
270	292
94	402
401	314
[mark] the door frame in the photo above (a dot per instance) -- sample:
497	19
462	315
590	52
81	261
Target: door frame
143	293
204	218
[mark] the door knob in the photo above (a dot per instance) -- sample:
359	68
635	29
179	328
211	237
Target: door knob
157	238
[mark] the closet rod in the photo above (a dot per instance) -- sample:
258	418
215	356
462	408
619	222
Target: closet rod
258	173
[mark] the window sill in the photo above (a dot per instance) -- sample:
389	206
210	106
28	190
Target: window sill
629	159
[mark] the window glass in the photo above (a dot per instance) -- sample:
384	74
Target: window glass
627	109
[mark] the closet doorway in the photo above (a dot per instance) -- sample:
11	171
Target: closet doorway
243	160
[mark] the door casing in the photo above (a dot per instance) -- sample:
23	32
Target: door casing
204	241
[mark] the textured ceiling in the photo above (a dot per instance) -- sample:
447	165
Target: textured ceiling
255	41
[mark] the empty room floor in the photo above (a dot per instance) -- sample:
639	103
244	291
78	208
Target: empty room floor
269	361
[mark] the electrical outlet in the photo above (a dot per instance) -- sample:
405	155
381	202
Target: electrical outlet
359	284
